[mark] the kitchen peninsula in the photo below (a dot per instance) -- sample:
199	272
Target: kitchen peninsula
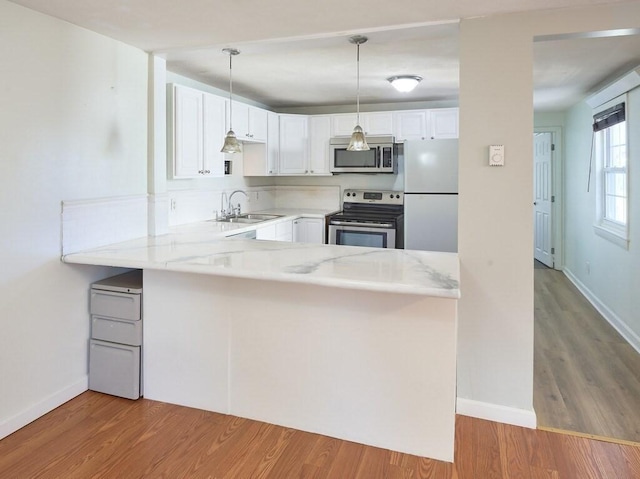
351	342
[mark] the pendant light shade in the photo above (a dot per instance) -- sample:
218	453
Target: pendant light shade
231	144
405	83
358	141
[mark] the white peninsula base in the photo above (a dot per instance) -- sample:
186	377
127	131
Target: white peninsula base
372	367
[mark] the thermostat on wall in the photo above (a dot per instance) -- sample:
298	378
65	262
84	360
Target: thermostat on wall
496	155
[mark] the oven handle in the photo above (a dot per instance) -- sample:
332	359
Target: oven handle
368	225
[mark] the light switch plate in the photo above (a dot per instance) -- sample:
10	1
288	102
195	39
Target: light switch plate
496	155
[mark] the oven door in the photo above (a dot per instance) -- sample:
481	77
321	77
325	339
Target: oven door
363	234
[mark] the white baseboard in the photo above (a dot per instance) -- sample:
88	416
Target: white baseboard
497	413
41	408
613	319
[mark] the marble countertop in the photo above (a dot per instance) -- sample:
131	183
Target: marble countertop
204	248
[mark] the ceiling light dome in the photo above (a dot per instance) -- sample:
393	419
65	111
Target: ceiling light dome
405	83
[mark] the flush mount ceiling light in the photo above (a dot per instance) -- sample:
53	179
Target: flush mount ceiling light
358	141
404	83
231	144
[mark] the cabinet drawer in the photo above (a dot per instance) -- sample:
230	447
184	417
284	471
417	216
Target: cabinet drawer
115	305
114	369
117	330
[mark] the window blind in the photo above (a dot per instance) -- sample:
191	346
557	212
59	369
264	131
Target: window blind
609	117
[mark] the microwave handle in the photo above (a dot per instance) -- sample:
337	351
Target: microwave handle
379	159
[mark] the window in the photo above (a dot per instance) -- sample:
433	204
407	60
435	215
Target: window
610	130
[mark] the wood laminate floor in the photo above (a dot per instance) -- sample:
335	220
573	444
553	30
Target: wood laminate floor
101	436
586	376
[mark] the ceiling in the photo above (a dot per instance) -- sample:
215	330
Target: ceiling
289	60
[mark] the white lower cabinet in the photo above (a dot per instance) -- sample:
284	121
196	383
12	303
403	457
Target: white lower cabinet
309	230
282	231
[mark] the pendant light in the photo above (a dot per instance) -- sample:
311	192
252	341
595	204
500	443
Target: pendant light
231	144
358	141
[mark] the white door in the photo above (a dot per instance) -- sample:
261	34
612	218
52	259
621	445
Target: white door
542	198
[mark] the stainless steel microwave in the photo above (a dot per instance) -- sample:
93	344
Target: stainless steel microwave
382	157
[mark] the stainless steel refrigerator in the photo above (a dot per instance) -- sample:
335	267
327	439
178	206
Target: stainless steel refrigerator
431	195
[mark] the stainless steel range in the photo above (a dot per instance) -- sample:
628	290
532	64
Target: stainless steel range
371	218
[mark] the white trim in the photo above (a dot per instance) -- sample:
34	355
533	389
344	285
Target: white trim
33	412
611	235
496	412
612	318
620	86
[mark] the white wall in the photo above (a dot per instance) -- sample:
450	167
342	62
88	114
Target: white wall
72	125
495	360
612	279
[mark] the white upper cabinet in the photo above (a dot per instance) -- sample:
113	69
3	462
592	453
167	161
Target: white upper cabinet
410	125
443	123
343	124
261	159
373	123
319	135
273	143
196	131
249	122
378	123
213	139
294	145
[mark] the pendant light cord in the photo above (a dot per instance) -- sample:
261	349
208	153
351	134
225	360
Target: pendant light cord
358	84
230	93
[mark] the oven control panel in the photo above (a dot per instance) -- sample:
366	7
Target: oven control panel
379	197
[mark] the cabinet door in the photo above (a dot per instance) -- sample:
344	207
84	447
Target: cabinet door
273	143
378	123
258	127
308	230
410	125
343	124
284	231
213	131
314	230
319	135
443	123
293	145
298	231
187	132
240	120
266	233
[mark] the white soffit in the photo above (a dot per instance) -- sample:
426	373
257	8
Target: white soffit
622	85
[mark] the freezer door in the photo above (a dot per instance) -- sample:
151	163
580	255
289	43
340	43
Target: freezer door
431	166
431	222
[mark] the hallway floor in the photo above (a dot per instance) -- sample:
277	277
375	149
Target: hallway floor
586	376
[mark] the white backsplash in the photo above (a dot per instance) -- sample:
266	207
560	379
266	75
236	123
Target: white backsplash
311	197
98	222
189	206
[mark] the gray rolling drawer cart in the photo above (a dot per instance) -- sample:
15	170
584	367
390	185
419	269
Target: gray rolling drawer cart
116	335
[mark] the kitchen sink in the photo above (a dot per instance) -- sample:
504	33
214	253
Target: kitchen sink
259	216
248	218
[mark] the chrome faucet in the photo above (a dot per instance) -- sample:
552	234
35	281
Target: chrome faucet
223	200
230	207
